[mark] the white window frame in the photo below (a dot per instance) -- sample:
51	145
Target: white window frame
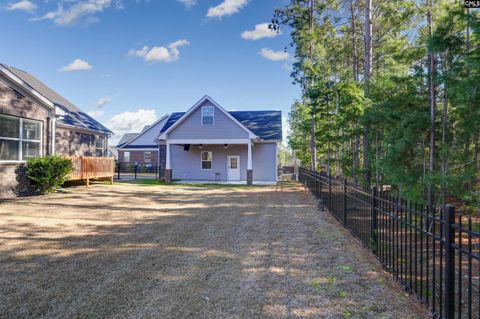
97	148
20	139
150	157
201	161
125	156
213	115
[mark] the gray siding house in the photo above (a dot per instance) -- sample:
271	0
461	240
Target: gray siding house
37	121
208	143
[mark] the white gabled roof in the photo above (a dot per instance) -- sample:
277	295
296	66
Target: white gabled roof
196	106
125	145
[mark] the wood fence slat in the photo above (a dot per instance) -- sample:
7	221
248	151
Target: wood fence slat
86	168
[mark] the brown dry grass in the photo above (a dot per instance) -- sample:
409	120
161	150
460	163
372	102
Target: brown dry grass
132	251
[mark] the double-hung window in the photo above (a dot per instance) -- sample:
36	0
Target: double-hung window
147	157
207	158
20	139
99	146
208	113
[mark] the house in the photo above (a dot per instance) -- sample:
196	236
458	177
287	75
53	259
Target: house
142	148
37	121
208	143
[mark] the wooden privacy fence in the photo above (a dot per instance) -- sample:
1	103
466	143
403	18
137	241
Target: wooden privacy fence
86	168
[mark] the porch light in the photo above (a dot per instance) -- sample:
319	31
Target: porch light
225	145
200	146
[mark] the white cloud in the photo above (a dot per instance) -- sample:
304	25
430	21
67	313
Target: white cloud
226	8
166	54
96	114
130	122
23	5
188	3
77	65
103	101
261	31
78	10
274	55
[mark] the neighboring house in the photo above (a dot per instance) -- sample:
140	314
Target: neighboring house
142	148
208	143
37	121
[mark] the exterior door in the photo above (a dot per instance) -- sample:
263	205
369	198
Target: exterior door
233	168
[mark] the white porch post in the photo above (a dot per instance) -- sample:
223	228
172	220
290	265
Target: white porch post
249	164
168	166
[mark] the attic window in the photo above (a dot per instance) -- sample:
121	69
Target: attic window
207	115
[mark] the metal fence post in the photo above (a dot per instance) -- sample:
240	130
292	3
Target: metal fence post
119	164
345	202
329	191
136	166
449	262
374	221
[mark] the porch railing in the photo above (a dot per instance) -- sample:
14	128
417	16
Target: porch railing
86	168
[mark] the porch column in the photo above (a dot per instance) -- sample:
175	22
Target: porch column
249	165
168	168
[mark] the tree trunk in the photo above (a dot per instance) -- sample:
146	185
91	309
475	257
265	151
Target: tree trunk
368	71
313	139
444	133
354	42
432	98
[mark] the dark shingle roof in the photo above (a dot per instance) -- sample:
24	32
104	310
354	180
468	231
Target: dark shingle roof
265	124
73	115
125	138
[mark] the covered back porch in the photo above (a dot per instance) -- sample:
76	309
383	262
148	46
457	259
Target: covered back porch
209	161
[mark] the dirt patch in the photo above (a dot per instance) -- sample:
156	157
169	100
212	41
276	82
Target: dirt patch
132	251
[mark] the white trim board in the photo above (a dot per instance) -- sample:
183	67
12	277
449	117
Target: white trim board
206	142
196	106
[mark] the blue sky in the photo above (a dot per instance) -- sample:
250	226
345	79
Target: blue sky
128	62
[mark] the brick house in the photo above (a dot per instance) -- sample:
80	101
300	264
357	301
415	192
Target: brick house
37	121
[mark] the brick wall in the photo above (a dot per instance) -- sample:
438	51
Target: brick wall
72	143
138	157
13	180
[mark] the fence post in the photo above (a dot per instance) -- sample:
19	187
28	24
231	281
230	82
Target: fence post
119	164
374	222
345	202
136	166
449	262
329	191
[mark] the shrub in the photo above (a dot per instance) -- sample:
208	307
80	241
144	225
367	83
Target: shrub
49	172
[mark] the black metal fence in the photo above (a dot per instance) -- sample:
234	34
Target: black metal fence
128	171
433	252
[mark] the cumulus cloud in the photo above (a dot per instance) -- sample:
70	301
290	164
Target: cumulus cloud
274	55
130	122
226	8
77	65
103	101
80	9
188	3
166	54
261	31
23	5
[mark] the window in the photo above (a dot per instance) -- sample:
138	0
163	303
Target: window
147	157
99	146
207	160
207	115
126	157
20	139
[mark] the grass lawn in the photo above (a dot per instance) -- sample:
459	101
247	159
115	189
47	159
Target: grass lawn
142	251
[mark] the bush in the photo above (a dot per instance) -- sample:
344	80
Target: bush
49	172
